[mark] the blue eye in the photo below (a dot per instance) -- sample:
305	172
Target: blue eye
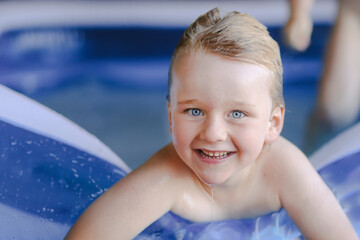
237	114
194	112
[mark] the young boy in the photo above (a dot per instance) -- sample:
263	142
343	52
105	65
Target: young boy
226	160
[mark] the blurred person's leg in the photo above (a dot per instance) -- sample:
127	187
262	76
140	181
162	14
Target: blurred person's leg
339	96
338	102
298	29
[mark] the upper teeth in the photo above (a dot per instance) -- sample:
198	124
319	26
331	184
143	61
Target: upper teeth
215	154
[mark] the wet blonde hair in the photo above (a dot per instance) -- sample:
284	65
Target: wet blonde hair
235	36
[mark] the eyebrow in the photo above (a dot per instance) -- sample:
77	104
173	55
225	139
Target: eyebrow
187	101
237	103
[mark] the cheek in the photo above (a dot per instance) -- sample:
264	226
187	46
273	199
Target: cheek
250	140
182	138
181	133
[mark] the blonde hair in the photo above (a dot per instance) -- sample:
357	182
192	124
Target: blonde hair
235	36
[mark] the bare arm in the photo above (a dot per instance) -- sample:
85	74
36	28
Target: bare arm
311	204
129	206
299	26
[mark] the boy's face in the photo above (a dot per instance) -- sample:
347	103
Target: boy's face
219	114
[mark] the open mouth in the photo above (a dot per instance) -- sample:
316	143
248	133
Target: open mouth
213	155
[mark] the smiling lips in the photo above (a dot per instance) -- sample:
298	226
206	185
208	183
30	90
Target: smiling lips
213	155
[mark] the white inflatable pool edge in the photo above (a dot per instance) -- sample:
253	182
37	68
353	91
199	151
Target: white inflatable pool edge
346	143
24	112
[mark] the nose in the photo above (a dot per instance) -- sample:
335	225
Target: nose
214	129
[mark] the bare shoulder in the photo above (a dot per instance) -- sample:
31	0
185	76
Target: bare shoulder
285	160
283	166
164	164
304	195
293	173
283	149
163	172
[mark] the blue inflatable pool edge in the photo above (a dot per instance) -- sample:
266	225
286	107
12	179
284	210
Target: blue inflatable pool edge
48	179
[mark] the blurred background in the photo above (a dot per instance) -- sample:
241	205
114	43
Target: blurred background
104	64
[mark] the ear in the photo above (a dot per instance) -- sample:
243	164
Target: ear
169	117
276	124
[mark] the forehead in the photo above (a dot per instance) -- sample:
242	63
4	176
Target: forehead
199	70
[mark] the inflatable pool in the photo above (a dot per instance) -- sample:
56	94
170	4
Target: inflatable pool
48	179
